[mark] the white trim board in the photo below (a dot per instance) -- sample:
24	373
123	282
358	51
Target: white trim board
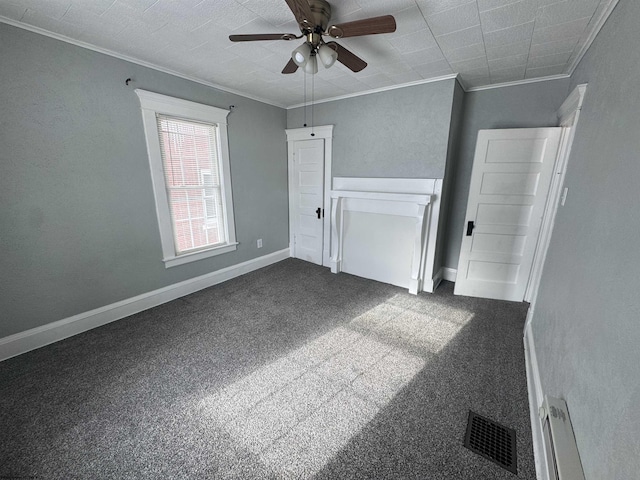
568	116
444	273
28	340
515	83
438	277
606	12
449	274
378	90
571	106
419	186
320	131
534	388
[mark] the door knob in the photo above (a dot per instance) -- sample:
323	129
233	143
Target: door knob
318	212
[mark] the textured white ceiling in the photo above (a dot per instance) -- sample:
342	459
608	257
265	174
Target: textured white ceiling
485	41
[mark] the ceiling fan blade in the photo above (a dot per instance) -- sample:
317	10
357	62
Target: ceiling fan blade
367	26
302	11
348	58
252	37
290	67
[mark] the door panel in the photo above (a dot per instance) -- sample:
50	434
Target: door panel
308	192
510	181
489	214
502	244
518	151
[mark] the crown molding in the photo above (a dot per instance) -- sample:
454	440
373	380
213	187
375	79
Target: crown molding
599	24
517	82
606	12
378	90
135	60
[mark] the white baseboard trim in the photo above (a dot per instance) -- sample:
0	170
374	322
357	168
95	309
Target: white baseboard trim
449	274
28	340
435	281
527	322
444	273
534	387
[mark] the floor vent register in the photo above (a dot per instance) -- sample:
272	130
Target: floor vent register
492	440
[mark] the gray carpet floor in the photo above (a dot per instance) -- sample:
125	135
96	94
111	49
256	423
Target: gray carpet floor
287	372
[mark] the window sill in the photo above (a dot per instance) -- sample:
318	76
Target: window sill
195	256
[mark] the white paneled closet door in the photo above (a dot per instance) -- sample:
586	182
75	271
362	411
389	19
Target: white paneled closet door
308	200
512	172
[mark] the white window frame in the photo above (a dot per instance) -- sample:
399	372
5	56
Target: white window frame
207	222
151	105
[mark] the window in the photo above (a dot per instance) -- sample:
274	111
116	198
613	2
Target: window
211	200
189	159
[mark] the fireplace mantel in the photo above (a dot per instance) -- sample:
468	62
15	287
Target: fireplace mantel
394	197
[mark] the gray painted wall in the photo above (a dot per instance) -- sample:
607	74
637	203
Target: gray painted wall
77	225
586	322
400	133
522	106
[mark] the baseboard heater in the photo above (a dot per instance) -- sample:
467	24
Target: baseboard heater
561	451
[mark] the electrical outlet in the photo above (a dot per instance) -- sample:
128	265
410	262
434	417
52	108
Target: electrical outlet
259	243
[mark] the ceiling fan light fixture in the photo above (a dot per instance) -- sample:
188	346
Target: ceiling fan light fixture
301	54
328	55
311	66
314	17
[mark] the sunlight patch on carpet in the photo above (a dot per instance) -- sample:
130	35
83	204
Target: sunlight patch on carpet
298	412
427	333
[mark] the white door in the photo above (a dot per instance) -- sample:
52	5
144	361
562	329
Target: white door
308	199
512	171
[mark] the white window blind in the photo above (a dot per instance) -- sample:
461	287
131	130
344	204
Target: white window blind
191	161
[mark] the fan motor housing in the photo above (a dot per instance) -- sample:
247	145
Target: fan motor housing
321	14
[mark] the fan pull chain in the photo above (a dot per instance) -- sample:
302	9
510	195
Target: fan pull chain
304	74
312	100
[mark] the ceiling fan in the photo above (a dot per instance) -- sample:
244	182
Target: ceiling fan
313	18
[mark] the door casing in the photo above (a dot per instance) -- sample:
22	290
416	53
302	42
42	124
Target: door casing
568	116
